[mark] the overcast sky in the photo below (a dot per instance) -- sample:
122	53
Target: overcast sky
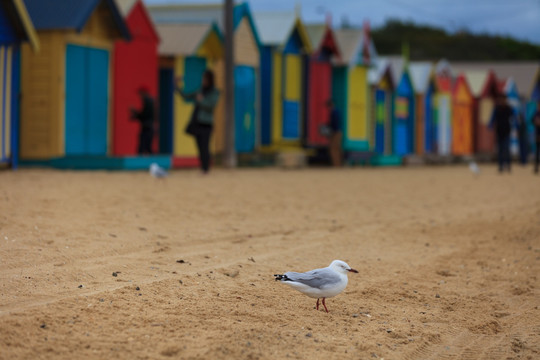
518	18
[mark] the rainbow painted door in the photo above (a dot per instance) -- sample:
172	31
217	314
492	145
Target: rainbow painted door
244	108
87	100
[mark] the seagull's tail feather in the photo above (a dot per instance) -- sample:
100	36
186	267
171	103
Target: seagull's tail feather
280	277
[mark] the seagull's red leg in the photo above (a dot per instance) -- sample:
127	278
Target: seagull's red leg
324	304
317	303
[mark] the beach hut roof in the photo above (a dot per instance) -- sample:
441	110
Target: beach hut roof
21	21
421	75
321	36
523	72
379	68
275	28
397	65
193	36
73	14
203	13
125	6
352	44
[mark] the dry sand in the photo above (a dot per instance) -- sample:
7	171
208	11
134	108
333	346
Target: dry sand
449	264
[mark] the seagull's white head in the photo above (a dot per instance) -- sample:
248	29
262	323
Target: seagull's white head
154	167
342	267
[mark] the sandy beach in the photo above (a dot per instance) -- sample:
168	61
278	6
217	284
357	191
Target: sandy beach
119	265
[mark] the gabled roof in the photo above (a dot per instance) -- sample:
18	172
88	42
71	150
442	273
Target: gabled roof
71	15
193	36
127	8
202	13
352	44
396	64
275	28
421	75
380	67
523	72
322	36
20	20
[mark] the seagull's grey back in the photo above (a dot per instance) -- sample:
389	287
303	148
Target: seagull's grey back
318	278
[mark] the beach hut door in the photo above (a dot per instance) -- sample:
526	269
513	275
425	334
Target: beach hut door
86	108
244	108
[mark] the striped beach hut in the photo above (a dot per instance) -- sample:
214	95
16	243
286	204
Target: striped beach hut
318	82
350	86
66	86
135	66
246	65
443	108
15	27
462	117
186	50
285	44
382	99
423	81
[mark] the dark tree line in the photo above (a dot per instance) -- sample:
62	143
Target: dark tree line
431	43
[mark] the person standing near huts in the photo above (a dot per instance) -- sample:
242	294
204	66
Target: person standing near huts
501	122
536	120
202	119
146	117
335	134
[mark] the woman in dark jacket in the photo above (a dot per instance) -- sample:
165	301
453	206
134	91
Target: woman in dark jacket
202	118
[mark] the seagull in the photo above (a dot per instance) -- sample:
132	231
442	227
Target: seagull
319	283
475	169
157	171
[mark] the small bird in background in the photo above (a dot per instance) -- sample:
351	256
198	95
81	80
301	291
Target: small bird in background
473	166
157	171
319	283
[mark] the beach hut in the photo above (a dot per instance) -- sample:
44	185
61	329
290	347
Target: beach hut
135	66
423	81
443	108
462	117
199	47
382	98
285	44
319	81
350	86
66	86
484	87
15	27
404	116
246	65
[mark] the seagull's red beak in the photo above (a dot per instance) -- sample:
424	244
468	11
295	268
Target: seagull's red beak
352	270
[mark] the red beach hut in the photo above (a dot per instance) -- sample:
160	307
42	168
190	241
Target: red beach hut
135	66
319	80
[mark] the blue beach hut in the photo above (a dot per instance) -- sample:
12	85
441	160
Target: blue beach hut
285	45
404	116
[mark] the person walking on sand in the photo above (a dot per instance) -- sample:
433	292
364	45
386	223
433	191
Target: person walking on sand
335	134
202	119
501	123
536	121
146	117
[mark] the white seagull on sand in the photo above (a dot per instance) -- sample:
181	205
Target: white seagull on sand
319	283
157	171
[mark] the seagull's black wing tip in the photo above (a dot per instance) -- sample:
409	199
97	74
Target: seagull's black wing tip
279	277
